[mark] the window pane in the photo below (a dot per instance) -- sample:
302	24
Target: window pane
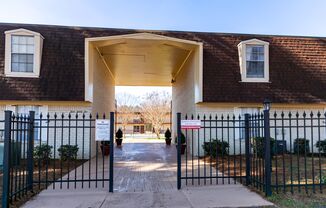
29	68
22	49
14	67
14	58
22	40
30	58
14	39
30	40
22	57
254	53
255	69
14	48
255	61
22	62
30	49
22	67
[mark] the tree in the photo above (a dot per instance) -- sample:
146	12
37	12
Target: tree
126	103
154	108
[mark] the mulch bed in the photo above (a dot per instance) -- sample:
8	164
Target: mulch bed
45	173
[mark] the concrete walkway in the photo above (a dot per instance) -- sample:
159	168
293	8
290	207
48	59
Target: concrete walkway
145	176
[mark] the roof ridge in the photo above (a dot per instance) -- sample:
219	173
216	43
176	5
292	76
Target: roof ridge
172	31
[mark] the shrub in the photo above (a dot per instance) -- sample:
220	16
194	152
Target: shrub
68	152
42	152
301	146
167	134
259	147
323	179
216	146
321	145
183	139
119	134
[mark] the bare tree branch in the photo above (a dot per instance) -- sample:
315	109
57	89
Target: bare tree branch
126	104
154	108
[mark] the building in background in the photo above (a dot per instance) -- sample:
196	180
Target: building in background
137	125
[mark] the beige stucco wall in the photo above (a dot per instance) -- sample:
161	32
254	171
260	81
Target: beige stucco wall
103	85
183	95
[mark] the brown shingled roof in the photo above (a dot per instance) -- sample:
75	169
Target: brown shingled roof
297	66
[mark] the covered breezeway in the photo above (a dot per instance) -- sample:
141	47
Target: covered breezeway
143	59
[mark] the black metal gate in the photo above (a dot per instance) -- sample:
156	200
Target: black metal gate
283	152
222	151
54	151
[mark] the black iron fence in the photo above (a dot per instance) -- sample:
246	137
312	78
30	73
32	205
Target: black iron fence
213	154
299	151
17	163
272	152
56	151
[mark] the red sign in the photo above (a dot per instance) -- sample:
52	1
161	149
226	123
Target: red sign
190	124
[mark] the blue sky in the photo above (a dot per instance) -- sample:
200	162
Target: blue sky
290	17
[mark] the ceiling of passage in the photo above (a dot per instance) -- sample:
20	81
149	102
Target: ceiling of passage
144	62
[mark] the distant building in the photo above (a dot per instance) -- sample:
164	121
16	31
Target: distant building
137	124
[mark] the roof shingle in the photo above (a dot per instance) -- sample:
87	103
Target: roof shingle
297	66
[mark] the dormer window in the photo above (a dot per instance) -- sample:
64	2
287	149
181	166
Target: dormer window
23	53
254	63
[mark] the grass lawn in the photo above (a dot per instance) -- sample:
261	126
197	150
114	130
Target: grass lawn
287	169
298	200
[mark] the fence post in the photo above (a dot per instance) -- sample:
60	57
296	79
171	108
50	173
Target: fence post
6	160
30	150
179	149
247	149
111	151
268	179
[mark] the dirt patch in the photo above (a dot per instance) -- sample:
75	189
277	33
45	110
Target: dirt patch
287	169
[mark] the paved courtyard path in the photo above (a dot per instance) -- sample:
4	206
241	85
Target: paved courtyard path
145	176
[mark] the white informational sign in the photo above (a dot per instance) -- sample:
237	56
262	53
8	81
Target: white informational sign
190	124
102	130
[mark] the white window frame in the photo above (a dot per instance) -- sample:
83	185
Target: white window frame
243	63
38	45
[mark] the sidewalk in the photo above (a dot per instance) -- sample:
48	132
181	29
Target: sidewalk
145	176
196	197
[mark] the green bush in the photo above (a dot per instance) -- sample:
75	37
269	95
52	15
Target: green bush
68	152
259	147
167	134
119	134
301	146
216	146
42	152
323	179
183	139
321	145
